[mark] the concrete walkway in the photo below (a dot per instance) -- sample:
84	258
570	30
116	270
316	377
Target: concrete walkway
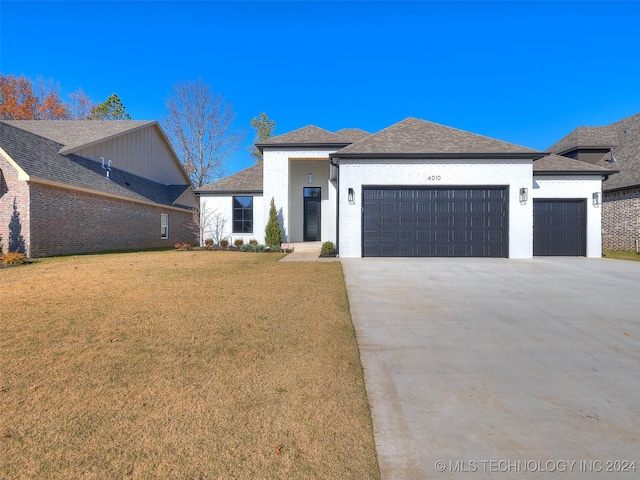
307	252
500	368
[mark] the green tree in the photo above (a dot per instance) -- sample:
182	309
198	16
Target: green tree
264	128
273	232
111	109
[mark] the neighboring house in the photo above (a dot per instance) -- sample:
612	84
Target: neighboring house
418	188
71	187
614	146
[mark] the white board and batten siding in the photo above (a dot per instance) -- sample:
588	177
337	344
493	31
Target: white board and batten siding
144	152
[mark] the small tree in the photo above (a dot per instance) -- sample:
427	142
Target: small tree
273	232
264	128
207	223
111	109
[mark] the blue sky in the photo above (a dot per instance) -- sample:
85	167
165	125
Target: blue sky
524	72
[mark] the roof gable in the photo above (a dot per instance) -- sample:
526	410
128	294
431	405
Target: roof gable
623	136
587	137
414	136
350	135
307	135
76	134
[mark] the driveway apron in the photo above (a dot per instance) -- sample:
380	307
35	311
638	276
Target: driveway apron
500	368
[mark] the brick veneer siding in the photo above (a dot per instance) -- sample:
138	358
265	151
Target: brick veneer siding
66	222
621	219
13	190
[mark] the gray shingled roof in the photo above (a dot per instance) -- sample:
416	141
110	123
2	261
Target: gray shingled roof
625	137
627	154
311	135
586	137
39	157
351	135
247	180
413	136
73	134
556	164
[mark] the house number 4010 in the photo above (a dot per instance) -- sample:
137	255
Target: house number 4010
433	178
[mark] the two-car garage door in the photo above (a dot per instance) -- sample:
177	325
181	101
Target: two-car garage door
435	222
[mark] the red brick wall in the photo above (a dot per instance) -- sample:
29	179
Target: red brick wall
621	220
67	222
13	190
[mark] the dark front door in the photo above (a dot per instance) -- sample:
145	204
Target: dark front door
312	196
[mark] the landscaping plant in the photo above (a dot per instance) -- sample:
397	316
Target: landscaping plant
273	232
328	248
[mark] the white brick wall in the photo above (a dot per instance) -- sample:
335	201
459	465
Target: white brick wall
571	187
515	174
285	175
223	205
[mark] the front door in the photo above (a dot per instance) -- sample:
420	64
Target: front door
312	196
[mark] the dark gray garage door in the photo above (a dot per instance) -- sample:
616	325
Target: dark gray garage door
559	227
435	222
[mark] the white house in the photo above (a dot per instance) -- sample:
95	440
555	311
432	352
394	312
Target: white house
415	188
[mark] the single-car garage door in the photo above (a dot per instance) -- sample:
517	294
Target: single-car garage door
559	227
435	222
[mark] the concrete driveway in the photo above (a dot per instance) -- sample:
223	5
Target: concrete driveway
500	368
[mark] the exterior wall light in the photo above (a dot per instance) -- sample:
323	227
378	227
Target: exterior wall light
351	196
597	199
310	178
524	195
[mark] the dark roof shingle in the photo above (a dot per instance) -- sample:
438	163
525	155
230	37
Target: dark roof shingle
415	136
307	135
623	136
247	180
555	164
586	137
73	134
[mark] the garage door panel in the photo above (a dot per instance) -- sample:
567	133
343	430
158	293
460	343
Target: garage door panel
559	227
443	222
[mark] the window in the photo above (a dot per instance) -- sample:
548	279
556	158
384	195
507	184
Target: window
164	225
242	214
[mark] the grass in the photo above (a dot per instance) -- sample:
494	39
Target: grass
180	365
620	255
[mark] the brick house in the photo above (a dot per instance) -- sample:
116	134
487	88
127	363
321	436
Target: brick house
417	188
614	146
71	187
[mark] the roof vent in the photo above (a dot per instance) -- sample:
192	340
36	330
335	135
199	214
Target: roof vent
612	159
102	159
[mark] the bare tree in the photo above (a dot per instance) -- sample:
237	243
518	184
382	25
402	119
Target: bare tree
199	125
218	222
207	223
80	105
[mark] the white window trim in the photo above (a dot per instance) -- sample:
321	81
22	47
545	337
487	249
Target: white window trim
164	225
